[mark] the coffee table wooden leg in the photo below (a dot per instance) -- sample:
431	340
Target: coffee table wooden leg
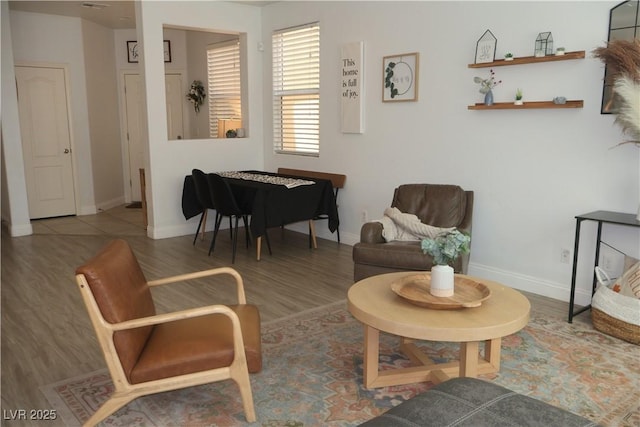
469	359
492	352
258	247
371	355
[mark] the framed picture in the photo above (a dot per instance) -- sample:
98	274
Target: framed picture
133	51
167	51
400	77
486	48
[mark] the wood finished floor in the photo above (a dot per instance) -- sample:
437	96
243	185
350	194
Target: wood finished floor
46	333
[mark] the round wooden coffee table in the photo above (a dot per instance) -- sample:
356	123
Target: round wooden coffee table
373	303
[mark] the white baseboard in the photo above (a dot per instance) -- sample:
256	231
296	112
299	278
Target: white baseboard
535	285
20	230
106	205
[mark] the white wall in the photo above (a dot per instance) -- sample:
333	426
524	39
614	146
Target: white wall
15	206
532	171
103	113
169	161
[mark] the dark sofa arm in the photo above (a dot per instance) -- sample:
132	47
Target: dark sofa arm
371	232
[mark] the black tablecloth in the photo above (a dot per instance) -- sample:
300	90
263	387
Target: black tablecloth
273	205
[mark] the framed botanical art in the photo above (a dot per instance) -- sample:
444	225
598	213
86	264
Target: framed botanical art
486	48
167	50
400	77
133	51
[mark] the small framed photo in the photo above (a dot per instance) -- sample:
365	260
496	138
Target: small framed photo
400	77
486	48
133	51
167	51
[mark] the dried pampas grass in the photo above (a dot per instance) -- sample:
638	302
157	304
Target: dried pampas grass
628	114
622	57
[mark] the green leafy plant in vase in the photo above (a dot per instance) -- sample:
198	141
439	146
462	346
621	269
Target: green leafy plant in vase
508	56
445	249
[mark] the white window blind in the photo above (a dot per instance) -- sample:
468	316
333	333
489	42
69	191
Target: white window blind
296	90
223	72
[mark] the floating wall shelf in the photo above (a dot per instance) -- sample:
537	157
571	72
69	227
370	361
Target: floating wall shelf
531	60
527	105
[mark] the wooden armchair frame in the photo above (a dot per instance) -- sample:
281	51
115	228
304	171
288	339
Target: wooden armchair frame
125	392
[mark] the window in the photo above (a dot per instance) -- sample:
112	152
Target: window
223	72
296	90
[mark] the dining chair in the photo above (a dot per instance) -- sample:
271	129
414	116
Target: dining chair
226	205
149	353
201	187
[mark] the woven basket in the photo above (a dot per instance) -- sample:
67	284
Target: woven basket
615	327
614	314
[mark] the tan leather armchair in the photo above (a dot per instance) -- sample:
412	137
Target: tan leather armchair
438	205
148	352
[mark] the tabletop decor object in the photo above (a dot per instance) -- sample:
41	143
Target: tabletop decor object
508	56
487	85
196	95
544	44
444	249
518	97
560	51
416	288
486	48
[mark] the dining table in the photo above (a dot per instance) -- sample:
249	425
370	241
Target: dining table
274	200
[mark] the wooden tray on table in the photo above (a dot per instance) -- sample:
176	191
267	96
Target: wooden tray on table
467	293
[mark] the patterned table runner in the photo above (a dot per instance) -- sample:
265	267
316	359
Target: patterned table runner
269	179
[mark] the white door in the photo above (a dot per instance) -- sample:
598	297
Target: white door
46	142
175	103
135	131
136	128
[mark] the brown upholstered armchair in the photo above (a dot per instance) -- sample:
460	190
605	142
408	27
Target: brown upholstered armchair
151	353
434	204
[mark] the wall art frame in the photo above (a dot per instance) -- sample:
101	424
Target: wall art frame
400	77
133	51
486	48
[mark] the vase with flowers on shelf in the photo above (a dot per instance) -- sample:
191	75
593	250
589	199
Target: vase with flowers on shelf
445	249
487	85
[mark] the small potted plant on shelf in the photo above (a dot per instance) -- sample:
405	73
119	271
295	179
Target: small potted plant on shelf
560	51
518	97
508	56
445	249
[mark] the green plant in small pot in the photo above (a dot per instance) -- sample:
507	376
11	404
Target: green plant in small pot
518	97
445	249
508	56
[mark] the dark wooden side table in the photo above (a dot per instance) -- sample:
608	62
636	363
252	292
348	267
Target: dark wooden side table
601	217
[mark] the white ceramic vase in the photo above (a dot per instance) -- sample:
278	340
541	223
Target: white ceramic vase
441	281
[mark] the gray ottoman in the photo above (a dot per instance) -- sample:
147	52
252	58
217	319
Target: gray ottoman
474	402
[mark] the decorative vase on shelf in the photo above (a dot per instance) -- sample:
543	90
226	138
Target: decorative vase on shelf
488	98
442	283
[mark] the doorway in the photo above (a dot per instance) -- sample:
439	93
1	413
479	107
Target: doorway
136	119
43	110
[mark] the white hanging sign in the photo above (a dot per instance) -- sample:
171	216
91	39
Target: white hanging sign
351	70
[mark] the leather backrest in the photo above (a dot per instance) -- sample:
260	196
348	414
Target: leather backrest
121	292
440	205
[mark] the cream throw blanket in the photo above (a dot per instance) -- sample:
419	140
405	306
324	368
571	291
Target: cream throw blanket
403	226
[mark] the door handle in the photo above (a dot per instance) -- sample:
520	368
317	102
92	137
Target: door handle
66	151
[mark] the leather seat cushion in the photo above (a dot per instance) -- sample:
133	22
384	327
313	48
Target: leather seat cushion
198	344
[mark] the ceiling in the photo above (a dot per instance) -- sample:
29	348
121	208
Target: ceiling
112	14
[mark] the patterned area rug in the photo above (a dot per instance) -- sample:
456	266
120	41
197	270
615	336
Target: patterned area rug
312	376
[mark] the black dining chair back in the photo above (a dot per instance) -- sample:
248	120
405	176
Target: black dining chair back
226	205
201	187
